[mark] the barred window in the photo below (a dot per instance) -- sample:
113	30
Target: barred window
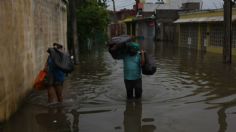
184	35
216	35
189	35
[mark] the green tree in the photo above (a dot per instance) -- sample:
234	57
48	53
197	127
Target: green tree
92	18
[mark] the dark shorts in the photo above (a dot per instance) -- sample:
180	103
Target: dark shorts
51	81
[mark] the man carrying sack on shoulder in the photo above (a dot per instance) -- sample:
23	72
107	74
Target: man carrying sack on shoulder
55	77
133	61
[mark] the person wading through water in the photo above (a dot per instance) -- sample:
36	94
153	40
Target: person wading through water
55	77
132	61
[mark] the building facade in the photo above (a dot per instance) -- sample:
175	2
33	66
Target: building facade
204	30
117	27
167	13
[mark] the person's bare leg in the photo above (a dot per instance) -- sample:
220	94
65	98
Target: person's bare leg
58	90
50	94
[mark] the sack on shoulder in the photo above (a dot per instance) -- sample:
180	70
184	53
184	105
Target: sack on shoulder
62	60
117	46
149	67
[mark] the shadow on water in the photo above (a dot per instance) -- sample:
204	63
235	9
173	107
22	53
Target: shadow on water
188	88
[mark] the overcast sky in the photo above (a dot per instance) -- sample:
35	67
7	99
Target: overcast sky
128	4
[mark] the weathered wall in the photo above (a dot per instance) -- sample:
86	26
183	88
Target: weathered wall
27	29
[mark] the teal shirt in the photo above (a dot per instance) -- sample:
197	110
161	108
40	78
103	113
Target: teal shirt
132	67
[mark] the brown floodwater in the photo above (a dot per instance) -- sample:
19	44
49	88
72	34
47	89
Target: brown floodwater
190	92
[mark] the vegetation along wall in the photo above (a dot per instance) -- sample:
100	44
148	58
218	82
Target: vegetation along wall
28	28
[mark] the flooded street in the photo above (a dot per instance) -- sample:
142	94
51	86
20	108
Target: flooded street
190	92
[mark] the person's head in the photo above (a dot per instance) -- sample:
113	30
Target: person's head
58	46
133	48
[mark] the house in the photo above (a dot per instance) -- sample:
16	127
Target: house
116	27
204	30
155	20
143	25
167	13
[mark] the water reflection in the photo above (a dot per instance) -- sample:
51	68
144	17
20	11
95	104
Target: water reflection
90	77
222	120
188	88
222	113
133	118
54	120
214	82
75	115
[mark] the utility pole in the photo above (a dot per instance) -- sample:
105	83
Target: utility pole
73	30
114	5
227	46
114	11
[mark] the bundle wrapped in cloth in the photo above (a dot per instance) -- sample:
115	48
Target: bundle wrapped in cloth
117	46
61	59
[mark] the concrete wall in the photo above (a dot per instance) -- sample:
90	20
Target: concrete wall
27	29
